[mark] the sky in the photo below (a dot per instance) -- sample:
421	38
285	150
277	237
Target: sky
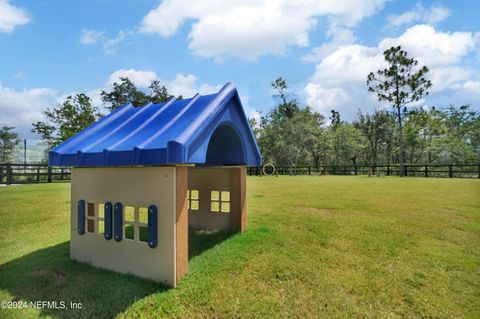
324	49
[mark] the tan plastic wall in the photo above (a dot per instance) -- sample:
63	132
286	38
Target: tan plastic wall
205	180
135	186
181	186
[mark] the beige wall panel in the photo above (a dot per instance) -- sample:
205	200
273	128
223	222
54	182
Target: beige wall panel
133	186
239	187
210	179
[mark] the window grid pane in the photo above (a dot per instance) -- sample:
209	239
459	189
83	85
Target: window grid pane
215	196
193	196
129	212
135	219
215	206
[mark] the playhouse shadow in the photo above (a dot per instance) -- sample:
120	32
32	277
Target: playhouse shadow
201	240
50	275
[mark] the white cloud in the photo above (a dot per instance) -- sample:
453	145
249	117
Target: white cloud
141	79
253	114
21	108
348	64
250	28
433	47
109	45
343	72
437	14
11	17
447	77
476	37
340	36
185	85
433	15
89	36
473	87
323	99
96	97
352	63
404	18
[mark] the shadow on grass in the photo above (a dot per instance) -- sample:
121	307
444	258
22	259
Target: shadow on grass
50	275
201	240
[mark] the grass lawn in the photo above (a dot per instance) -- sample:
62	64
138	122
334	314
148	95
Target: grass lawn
329	246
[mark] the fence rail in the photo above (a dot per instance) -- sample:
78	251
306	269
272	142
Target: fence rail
433	170
32	173
40	173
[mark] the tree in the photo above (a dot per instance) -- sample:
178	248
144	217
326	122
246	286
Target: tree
346	143
335	119
461	140
313	133
432	132
67	119
286	107
400	83
8	141
278	133
122	93
126	91
159	93
375	128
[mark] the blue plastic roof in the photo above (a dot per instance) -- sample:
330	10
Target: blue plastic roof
205	129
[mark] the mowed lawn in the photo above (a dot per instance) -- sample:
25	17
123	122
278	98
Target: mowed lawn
329	246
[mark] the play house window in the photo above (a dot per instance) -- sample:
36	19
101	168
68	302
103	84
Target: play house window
135	223
101	219
129	222
142	223
193	199
90	217
220	201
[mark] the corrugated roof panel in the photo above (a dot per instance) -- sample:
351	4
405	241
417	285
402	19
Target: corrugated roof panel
175	132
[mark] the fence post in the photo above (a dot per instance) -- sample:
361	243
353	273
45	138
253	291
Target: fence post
388	170
426	170
1	173
49	178
61	173
405	170
309	170
9	173
478	171
450	171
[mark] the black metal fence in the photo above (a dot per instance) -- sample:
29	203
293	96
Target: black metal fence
40	173
433	170
32	173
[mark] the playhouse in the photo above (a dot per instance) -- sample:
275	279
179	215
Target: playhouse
142	176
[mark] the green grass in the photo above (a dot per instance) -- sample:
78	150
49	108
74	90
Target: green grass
327	246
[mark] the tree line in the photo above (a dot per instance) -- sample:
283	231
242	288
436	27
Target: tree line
301	137
292	134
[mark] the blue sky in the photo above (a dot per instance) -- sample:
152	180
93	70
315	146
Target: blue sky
324	49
